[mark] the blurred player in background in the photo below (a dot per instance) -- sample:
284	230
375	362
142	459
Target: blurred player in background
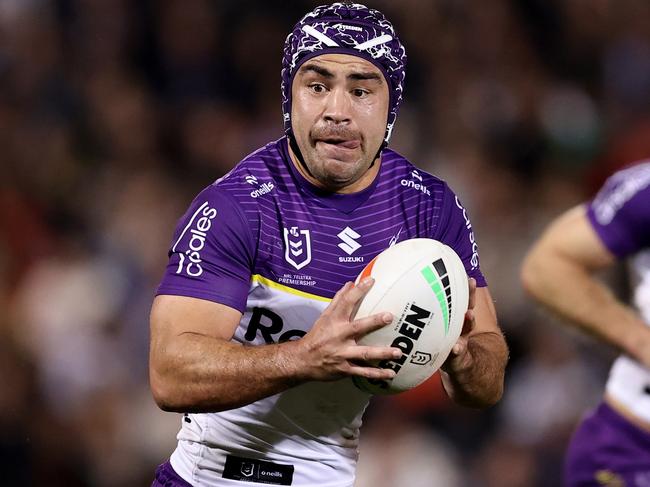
251	331
612	444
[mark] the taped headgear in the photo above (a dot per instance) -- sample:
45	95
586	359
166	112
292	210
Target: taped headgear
342	28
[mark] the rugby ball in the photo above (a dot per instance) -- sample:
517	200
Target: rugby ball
423	283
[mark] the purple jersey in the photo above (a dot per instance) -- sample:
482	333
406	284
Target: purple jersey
607	449
620	212
264	218
265	241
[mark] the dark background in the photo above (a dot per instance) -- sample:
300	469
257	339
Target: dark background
115	113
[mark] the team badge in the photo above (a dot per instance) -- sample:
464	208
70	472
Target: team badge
247	469
421	358
297	247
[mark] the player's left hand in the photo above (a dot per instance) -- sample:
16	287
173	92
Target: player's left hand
460	358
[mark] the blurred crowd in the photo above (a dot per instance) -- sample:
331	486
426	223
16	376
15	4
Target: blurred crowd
115	113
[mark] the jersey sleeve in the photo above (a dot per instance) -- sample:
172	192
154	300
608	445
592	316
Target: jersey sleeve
212	252
620	212
455	230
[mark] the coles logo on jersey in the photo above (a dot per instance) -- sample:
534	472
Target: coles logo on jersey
411	183
198	227
297	247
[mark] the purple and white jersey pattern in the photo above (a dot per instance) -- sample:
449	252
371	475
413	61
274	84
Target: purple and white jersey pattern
620	215
265	241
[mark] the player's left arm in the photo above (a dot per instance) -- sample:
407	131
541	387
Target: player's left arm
473	374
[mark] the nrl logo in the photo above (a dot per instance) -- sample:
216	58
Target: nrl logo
247	469
297	247
421	358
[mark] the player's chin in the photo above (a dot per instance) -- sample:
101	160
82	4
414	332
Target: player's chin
341	166
341	173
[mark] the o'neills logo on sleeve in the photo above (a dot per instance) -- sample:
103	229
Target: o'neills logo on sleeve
265	188
196	231
418	186
262	189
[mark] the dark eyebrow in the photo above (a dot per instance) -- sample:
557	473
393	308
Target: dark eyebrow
365	76
325	73
317	69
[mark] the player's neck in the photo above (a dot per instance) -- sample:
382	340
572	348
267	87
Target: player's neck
359	185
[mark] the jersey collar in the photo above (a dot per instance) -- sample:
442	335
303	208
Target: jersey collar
345	203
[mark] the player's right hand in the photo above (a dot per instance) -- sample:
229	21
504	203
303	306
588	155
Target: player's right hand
329	351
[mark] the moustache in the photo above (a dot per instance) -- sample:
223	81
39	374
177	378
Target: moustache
334	133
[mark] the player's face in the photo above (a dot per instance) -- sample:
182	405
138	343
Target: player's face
339	113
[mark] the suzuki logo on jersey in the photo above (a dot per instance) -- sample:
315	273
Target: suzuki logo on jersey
190	260
349	244
297	247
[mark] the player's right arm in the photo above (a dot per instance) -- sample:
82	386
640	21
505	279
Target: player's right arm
193	364
195	368
559	272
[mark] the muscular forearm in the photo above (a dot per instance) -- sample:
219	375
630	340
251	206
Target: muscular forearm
195	367
477	381
198	373
572	293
